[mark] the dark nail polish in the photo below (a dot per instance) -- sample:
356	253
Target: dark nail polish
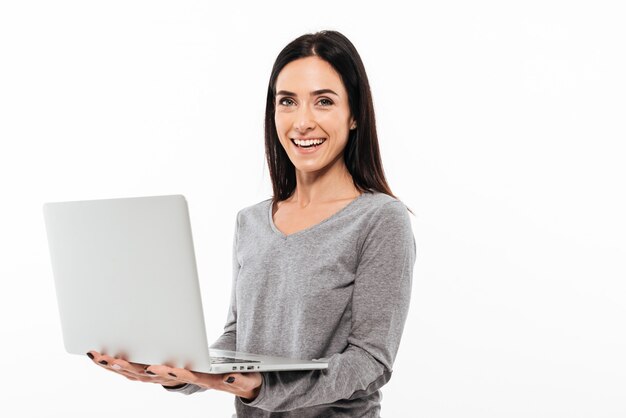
150	373
90	355
103	362
230	379
173	375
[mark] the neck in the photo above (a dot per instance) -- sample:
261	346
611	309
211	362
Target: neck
334	183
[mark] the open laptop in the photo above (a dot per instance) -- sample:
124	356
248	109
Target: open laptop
127	285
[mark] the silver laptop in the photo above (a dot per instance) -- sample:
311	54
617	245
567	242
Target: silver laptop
127	285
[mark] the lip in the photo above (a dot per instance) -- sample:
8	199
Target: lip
307	151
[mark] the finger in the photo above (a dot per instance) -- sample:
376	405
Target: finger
101	359
186	376
131	371
235	383
164	375
94	356
129	376
243	381
162	371
116	365
117	370
98	358
132	368
143	377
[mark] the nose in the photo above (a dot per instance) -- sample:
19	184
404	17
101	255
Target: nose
304	120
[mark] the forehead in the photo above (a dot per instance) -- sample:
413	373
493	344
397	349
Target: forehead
308	74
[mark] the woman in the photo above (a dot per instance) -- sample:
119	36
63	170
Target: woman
324	268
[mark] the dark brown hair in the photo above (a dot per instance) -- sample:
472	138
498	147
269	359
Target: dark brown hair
362	154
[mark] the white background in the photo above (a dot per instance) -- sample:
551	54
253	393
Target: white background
501	126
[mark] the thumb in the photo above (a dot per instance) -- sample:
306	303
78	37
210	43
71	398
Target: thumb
243	381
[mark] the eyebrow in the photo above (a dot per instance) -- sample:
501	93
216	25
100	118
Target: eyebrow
313	93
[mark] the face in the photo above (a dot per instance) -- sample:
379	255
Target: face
312	110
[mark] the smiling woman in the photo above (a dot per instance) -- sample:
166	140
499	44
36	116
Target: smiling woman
320	79
323	268
312	123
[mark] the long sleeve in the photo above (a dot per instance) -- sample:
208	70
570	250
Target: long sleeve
187	389
228	340
379	305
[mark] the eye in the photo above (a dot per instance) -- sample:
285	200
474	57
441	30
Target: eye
285	101
325	102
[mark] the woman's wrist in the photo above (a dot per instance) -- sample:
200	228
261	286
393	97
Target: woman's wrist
252	394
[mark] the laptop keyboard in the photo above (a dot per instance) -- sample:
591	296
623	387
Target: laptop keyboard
222	360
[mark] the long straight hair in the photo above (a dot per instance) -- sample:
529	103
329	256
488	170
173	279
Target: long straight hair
362	154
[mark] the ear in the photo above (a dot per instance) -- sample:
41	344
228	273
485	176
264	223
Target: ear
352	124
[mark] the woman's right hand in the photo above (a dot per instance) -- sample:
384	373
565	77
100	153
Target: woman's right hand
131	371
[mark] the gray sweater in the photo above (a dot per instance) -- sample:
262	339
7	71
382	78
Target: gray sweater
339	289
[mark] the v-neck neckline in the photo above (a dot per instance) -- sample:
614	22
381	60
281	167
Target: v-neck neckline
312	227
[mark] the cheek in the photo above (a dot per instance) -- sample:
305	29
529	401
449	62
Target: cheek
335	124
281	123
284	120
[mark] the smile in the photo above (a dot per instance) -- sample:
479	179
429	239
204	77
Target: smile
308	143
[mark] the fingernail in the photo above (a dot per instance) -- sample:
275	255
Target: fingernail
230	379
90	355
103	362
173	375
150	373
116	367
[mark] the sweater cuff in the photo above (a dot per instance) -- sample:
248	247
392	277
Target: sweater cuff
175	388
186	389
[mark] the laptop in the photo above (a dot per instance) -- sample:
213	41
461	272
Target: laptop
127	285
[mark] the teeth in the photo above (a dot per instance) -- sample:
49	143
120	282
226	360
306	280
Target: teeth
308	142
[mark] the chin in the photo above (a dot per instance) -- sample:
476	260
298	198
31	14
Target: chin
305	168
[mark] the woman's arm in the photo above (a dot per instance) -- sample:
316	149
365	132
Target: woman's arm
380	303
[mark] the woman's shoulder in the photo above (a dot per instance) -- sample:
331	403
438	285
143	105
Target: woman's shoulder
255	207
381	203
257	210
